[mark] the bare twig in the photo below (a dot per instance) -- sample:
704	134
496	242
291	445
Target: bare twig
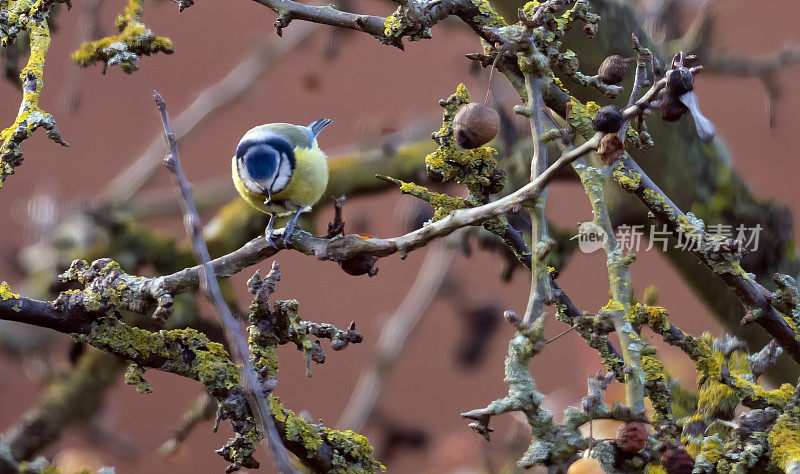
233	331
324	15
203	408
765	68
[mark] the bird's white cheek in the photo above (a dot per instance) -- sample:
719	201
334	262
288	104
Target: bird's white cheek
283	176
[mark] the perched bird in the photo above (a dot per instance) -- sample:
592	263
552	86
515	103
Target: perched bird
279	169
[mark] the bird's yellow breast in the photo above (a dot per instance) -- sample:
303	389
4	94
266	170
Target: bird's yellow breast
308	183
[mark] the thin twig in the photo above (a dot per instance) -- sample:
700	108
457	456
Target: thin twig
233	331
563	333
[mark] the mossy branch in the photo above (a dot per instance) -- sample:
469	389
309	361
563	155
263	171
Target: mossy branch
30	16
133	41
189	353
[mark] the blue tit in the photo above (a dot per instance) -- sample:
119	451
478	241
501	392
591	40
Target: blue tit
279	169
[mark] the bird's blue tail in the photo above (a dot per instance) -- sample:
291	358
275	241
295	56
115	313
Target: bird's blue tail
317	125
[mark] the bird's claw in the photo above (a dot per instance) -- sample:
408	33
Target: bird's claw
270	234
273	238
288	231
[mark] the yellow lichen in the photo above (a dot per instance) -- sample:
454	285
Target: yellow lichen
6	293
784	441
135	40
30	117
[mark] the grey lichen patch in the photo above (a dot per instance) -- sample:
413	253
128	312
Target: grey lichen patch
281	324
133	41
107	286
552	444
786	298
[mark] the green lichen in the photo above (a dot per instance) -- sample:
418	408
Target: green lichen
710	452
135	376
477	169
630	180
718	395
656	384
487	16
443	204
580	116
134	41
394	25
185	352
352	451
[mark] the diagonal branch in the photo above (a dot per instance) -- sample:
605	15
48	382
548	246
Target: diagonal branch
233	331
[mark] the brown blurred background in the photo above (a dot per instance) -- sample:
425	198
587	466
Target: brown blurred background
369	90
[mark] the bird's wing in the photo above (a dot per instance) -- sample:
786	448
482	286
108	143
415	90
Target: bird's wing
265	161
297	135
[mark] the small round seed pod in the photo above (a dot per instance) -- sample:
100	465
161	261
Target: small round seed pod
612	71
360	265
475	125
611	148
679	81
608	119
586	466
632	437
677	461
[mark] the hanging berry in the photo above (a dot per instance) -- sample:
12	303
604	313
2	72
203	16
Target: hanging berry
475	125
613	69
586	466
632	437
608	119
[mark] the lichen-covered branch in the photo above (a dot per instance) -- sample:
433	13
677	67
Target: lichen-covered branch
30	16
191	354
721	254
133	41
413	19
553	444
